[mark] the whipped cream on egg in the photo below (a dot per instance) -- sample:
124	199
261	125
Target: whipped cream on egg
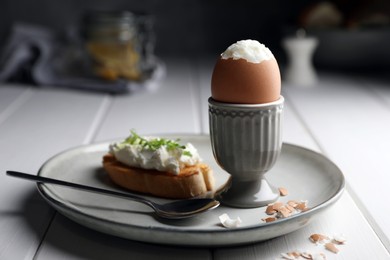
250	50
155	153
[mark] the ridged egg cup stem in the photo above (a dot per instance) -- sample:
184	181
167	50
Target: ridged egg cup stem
246	140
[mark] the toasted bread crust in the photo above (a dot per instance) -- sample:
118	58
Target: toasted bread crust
192	181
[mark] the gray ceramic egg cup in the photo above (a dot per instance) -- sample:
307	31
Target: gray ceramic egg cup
246	140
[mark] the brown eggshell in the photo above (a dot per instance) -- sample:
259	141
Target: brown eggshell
242	82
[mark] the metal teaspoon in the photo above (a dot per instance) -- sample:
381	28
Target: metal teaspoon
173	210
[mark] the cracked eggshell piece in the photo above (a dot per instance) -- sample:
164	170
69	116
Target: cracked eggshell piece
339	238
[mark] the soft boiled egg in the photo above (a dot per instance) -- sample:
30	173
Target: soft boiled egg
246	73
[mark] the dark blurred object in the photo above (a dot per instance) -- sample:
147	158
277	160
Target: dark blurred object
352	35
37	55
353	50
365	13
111	40
120	44
320	16
363	50
349	14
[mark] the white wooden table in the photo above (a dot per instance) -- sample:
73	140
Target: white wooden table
346	118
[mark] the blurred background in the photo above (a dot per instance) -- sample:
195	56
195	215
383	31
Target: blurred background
353	35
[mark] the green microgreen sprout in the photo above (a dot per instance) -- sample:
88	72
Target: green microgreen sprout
154	144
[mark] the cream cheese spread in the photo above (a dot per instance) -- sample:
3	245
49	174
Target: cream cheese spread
250	50
155	153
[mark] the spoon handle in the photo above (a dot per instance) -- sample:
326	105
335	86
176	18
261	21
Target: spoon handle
42	179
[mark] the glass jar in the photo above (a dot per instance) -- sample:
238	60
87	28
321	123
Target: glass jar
112	42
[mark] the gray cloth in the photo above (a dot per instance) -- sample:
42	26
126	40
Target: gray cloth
36	55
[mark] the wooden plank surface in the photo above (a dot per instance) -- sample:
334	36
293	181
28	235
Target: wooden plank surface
170	109
343	218
11	97
350	121
35	124
68	240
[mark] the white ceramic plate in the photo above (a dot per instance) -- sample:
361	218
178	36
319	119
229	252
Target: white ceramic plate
306	174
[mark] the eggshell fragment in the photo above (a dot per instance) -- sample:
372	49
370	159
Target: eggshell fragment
228	222
331	247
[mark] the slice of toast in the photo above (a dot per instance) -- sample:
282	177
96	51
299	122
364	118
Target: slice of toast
190	182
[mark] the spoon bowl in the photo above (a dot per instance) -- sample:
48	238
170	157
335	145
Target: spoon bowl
177	209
